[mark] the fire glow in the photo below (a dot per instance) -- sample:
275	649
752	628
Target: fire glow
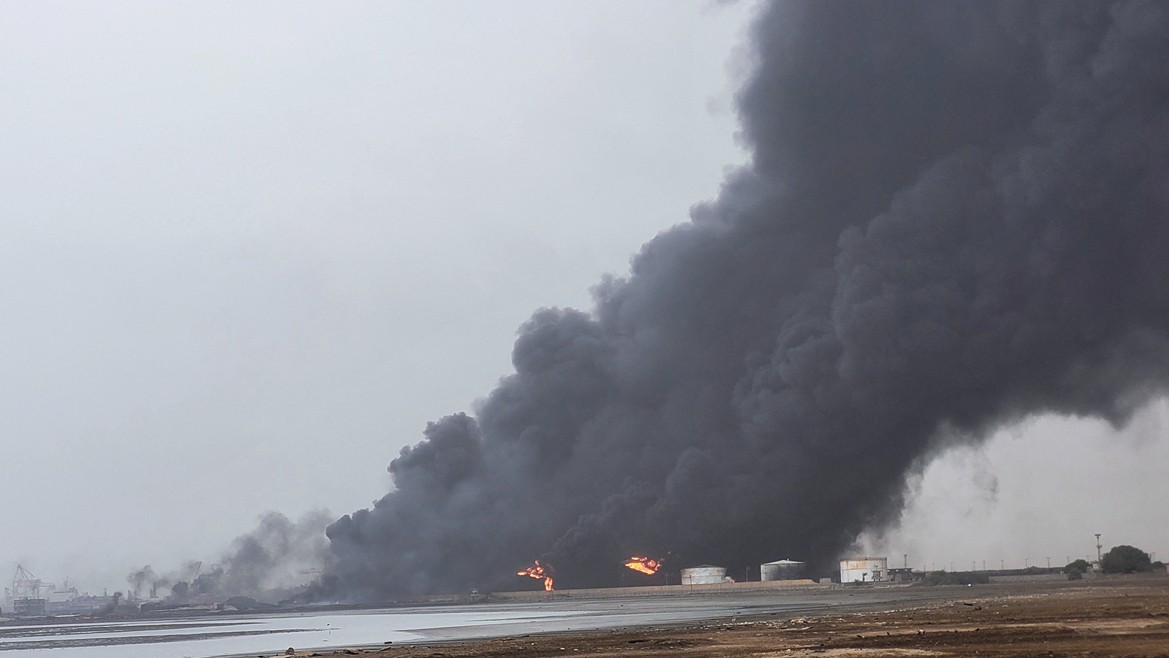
645	565
538	571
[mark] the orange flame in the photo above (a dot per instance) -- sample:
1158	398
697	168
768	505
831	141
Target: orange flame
538	571
645	565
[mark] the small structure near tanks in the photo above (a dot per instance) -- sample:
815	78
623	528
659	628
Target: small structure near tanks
781	570
864	570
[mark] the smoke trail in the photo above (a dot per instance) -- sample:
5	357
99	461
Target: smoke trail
955	216
266	563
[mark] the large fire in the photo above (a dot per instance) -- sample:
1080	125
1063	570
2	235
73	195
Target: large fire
645	565
538	571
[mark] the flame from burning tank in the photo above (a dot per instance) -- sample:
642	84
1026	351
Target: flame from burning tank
645	565
538	571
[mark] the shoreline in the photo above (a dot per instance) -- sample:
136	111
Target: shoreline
1112	616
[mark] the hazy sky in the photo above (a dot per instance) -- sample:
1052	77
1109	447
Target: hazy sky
248	250
1039	489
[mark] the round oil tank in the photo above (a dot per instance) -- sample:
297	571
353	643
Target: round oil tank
781	570
704	575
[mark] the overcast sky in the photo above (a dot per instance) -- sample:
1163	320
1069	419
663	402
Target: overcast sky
247	251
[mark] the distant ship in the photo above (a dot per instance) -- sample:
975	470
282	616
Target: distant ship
29	596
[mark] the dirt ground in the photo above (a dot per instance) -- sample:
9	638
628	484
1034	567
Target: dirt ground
1130	619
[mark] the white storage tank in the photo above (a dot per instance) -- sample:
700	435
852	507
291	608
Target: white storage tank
705	574
781	570
864	570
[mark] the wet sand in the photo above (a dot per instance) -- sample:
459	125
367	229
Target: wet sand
1108	617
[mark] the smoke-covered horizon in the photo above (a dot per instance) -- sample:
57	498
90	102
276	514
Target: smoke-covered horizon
954	217
268	562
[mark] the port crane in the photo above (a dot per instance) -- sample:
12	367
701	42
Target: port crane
26	586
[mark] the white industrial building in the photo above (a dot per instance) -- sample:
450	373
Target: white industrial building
864	570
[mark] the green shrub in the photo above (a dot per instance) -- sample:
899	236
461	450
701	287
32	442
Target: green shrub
1126	559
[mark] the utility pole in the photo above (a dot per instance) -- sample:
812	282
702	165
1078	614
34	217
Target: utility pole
1099	557
905	557
1048	561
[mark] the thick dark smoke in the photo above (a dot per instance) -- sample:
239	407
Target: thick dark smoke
956	215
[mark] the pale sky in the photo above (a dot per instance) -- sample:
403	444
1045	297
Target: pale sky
248	250
1040	489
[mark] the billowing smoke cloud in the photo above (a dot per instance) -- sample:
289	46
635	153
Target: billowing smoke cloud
956	215
145	578
266	563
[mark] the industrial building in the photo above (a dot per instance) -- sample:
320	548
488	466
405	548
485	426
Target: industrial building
864	570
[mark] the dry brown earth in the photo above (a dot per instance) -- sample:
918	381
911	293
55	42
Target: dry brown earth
1125	619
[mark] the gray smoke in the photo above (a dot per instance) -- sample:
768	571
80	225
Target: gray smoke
145	579
955	216
266	563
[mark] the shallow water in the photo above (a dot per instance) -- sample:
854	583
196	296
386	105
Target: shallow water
203	638
270	634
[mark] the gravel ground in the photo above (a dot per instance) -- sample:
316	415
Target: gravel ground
1113	617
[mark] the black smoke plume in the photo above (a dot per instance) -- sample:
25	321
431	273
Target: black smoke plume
956	214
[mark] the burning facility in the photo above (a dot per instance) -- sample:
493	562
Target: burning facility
954	216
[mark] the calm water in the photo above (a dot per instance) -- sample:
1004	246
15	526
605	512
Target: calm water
253	635
269	634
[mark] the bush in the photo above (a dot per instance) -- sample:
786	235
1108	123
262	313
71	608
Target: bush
1078	567
1126	559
